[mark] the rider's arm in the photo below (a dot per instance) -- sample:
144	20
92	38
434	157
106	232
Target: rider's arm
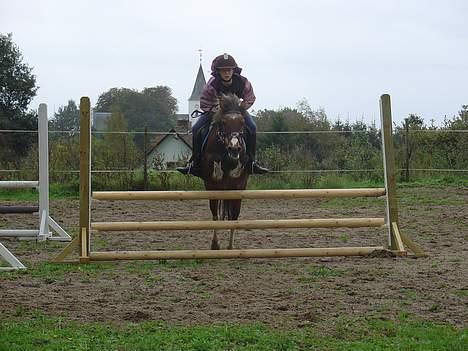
209	97
248	95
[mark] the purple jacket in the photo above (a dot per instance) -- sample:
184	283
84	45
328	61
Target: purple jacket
214	88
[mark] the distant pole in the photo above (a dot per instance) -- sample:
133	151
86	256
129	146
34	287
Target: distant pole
145	159
407	158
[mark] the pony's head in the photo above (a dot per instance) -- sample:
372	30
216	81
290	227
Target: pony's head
231	125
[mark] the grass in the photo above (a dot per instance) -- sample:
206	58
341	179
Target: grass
39	332
314	273
56	192
53	272
462	292
179	182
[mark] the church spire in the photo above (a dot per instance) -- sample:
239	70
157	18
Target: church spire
199	82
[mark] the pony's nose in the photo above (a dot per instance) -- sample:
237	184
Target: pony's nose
234	149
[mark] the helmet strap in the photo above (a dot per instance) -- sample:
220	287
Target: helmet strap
226	82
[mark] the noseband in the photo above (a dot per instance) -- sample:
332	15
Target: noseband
224	138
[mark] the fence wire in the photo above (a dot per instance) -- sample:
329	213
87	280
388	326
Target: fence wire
120	156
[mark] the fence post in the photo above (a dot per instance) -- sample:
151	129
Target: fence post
145	159
85	178
407	156
389	167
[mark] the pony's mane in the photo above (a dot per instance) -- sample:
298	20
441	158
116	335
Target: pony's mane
227	103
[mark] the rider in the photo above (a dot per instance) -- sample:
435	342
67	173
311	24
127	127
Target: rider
225	79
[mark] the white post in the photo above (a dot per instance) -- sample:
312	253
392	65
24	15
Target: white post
43	142
11	259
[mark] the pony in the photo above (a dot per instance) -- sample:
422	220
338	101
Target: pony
224	160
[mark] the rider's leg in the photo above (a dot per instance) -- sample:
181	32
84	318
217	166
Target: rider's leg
193	166
251	146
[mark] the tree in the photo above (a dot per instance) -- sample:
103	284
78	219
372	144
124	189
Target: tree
17	89
154	108
17	83
116	150
304	150
67	118
461	121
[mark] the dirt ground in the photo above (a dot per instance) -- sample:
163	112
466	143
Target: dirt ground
279	292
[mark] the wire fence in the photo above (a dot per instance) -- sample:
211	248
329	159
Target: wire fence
305	156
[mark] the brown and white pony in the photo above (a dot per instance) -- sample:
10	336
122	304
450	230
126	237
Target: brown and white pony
224	160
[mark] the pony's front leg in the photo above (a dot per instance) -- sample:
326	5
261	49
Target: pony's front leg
233	215
231	239
214	212
214	241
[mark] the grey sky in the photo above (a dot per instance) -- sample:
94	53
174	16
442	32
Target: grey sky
339	55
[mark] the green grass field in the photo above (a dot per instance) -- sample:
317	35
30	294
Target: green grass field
38	332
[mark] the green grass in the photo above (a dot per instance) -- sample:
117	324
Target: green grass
54	272
44	333
438	181
462	292
314	273
56	192
275	181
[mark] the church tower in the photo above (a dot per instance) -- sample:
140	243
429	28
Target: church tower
194	99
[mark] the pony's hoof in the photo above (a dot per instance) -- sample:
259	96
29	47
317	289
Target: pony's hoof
214	245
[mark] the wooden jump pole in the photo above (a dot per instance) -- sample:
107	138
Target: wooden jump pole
247	253
237	194
395	238
244	224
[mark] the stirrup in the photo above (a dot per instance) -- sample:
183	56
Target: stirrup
186	169
255	168
190	169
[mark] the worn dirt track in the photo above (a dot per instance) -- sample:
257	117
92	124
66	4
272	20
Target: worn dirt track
279	292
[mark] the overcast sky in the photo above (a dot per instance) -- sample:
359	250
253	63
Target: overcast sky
339	55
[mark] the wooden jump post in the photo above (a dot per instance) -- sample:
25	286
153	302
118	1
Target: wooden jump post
395	239
47	226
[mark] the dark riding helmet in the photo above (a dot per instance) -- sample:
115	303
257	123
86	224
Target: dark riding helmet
224	61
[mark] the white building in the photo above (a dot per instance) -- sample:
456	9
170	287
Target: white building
176	146
194	99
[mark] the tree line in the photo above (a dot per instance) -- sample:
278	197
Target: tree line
324	145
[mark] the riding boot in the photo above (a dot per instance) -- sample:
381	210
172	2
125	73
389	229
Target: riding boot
193	166
251	148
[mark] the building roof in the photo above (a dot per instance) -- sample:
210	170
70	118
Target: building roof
185	138
199	85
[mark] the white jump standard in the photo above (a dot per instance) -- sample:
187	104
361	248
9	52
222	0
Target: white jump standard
47	226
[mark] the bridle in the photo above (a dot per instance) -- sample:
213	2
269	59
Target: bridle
225	138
